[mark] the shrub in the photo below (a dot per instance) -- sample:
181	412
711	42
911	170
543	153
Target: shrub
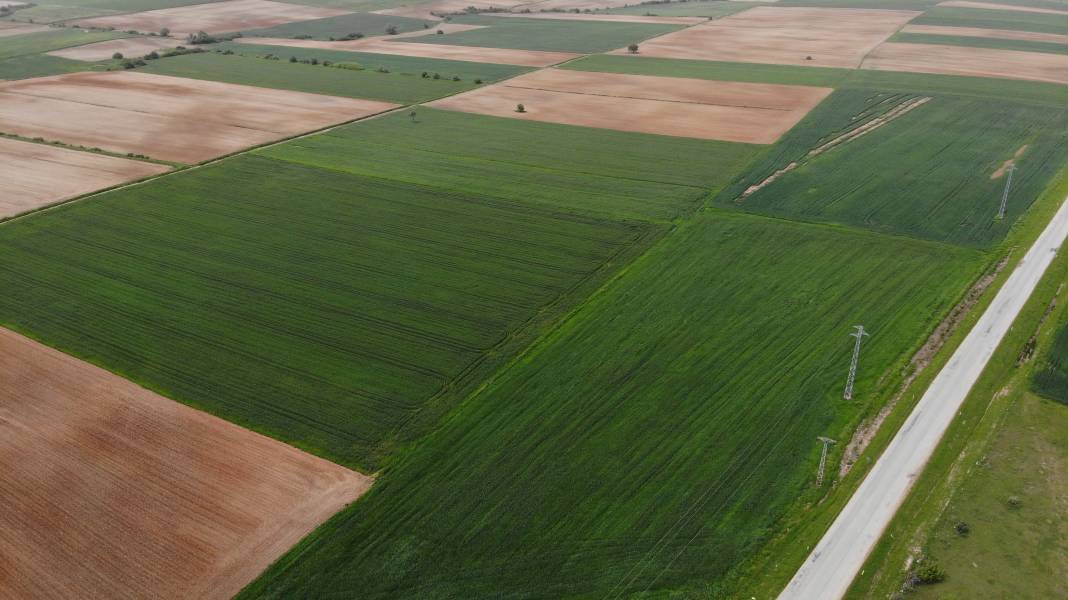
440	32
1015	502
456	78
152	55
633	48
391	29
382	70
200	37
117	56
437	75
292	59
519	108
164	32
962	528
351	66
928	572
478	82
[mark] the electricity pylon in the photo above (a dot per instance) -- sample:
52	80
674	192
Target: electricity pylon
823	459
1005	194
859	334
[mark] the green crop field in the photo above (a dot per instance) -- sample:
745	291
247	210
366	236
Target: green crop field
547	34
407	65
901	179
687	8
318	79
46	41
338	27
65	10
1051	379
40	65
978	42
335	320
597	171
994	19
650	442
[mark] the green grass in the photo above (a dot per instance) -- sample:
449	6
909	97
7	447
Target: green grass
978	42
994	19
705	69
368	24
318	79
40	65
596	171
652	441
547	34
65	10
689	8
336	320
46	41
1051	380
926	174
408	65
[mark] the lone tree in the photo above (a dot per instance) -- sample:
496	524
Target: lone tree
117	56
164	32
391	29
520	108
412	115
633	48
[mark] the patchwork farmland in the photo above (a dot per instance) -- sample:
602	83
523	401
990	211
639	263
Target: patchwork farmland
356	298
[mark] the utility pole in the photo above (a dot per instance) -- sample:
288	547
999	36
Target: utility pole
859	334
823	459
1005	194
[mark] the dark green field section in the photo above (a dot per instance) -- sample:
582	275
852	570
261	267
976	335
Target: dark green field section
994	19
369	24
650	443
547	34
593	171
40	65
51	11
319	79
1051	378
926	174
46	41
405	65
335	320
978	42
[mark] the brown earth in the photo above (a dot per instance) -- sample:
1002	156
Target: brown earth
112	491
444	28
1003	34
15	28
818	37
739	112
995	6
128	47
430	10
976	62
167	118
214	17
551	5
37	175
501	56
604	17
1010	162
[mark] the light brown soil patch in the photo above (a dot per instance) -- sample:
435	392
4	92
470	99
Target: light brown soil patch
604	17
167	118
444	28
501	56
995	6
551	5
14	28
430	10
128	47
832	37
214	17
1002	34
112	491
975	62
37	175
739	112
1010	162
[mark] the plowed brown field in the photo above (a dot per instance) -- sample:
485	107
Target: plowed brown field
975	62
13	28
128	47
214	17
167	118
818	37
731	111
112	491
37	175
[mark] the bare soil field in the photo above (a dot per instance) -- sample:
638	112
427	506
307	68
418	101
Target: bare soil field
430	10
501	56
1003	34
215	17
550	5
737	112
128	47
995	6
15	28
112	491
609	18
37	175
819	37
166	118
975	62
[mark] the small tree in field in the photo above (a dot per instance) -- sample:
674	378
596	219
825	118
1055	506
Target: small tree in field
164	32
519	108
391	29
412	116
633	48
117	56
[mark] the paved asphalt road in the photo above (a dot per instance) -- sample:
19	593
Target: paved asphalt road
830	569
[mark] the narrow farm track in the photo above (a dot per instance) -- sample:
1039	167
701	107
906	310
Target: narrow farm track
830	569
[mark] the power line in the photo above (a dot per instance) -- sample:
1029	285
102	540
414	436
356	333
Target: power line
823	459
859	334
1005	194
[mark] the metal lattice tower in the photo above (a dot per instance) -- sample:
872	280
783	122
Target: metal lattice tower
1005	194
859	334
823	459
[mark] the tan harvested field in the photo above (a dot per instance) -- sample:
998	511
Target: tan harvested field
166	118
605	17
976	62
128	47
214	17
832	37
112	491
15	28
572	4
444	28
502	56
996	6
738	112
1003	34
429	10
37	175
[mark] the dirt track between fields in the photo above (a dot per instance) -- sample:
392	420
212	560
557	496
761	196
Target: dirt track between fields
112	491
730	111
128	47
816	37
1001	34
975	62
13	28
37	175
166	118
213	17
501	56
